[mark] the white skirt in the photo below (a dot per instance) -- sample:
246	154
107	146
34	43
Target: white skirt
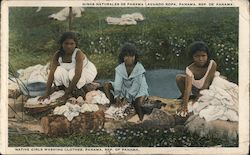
63	77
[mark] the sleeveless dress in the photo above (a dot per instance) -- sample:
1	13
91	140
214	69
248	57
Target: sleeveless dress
199	83
66	71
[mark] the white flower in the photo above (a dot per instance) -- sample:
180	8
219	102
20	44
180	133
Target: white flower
172	130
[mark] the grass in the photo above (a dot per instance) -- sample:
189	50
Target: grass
165	31
162	38
126	137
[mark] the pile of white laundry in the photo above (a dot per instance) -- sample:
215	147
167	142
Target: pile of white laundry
126	19
220	101
72	110
33	74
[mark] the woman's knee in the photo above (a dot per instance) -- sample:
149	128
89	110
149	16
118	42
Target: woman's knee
180	78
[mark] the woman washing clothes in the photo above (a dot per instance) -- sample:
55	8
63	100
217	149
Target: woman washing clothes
216	98
70	68
130	82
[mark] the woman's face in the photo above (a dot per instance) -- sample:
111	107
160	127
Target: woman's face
200	58
69	45
129	60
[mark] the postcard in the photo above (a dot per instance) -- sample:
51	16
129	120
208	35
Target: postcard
124	77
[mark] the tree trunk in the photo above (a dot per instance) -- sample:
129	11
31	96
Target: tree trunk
70	18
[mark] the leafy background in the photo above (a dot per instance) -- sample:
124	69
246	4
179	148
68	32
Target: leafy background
162	38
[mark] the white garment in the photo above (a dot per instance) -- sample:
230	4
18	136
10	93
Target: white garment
89	108
66	71
53	97
64	13
220	101
68	110
96	97
33	74
199	83
72	110
126	19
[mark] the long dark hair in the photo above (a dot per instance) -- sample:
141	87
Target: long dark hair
67	35
128	49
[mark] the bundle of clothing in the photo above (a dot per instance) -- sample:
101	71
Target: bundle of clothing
31	81
219	102
126	19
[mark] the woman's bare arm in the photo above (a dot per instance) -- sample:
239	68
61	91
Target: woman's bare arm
188	89
53	65
210	76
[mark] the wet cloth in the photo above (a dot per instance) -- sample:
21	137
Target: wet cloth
53	97
220	101
132	86
199	83
66	71
72	110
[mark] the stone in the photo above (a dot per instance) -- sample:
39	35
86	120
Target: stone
159	118
59	125
215	128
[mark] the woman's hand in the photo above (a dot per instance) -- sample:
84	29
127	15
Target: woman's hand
182	111
42	98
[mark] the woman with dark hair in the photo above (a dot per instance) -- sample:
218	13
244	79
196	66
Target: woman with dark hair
199	74
130	82
70	68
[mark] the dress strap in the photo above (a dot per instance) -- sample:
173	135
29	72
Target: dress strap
209	67
188	72
74	54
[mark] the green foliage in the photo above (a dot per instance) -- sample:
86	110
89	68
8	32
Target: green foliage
162	38
126	137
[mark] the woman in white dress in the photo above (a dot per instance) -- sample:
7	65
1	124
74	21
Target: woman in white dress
70	68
